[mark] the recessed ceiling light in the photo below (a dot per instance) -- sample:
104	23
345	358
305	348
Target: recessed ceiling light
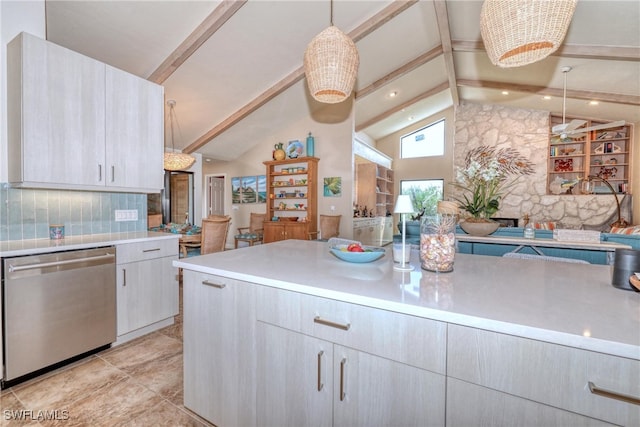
393	94
546	97
593	102
505	92
410	118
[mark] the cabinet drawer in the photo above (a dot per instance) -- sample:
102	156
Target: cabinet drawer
148	249
408	339
473	405
547	373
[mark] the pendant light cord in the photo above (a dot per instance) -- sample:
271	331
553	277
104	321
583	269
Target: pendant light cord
172	113
331	13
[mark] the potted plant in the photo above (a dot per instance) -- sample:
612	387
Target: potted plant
484	181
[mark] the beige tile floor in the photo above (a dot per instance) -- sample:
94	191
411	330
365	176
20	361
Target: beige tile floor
135	384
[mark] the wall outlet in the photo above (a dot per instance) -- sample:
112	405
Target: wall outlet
126	215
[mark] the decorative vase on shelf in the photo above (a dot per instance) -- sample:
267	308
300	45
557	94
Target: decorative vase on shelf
310	145
279	153
479	228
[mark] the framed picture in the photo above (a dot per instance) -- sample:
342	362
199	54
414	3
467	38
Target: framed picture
262	188
249	189
236	189
333	186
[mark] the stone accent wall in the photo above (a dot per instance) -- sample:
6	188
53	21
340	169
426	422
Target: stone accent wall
528	132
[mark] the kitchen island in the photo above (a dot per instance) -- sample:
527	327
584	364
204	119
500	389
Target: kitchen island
285	333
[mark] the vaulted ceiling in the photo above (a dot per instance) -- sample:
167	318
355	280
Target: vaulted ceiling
235	67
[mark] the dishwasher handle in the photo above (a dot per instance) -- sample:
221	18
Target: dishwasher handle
16	268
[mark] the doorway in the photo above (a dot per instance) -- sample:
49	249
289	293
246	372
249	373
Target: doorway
178	200
215	195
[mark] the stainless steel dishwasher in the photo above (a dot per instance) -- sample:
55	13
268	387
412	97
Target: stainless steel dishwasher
57	306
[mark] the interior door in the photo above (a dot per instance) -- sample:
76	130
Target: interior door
180	190
215	195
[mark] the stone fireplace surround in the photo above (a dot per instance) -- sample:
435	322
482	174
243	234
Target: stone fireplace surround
528	132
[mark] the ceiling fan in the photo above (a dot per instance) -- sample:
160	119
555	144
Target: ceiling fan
573	129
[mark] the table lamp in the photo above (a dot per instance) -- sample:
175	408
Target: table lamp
403	207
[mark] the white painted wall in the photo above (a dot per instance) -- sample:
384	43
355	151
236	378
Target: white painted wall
333	145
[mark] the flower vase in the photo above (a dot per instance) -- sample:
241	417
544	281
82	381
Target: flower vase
437	243
479	228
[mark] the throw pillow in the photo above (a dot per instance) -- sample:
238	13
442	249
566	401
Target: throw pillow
549	225
626	230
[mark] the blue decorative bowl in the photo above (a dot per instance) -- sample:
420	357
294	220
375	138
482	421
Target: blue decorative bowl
371	254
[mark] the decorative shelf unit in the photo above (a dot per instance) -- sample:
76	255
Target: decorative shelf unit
606	153
375	188
292	192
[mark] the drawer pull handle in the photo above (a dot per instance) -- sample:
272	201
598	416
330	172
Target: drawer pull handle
342	392
151	250
320	385
124	277
215	285
322	321
612	394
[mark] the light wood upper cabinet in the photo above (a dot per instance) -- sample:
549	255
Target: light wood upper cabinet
56	114
135	131
76	123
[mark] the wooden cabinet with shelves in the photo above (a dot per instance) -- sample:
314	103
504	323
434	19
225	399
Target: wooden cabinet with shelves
375	188
291	192
605	153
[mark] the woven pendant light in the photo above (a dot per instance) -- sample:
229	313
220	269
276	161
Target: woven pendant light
520	32
175	161
330	65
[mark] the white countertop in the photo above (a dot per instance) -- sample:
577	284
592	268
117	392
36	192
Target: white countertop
38	246
562	303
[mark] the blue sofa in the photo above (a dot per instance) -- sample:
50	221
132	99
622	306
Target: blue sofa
592	256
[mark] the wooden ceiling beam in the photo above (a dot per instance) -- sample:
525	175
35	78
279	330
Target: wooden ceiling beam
382	116
541	90
400	71
368	26
442	17
615	53
197	38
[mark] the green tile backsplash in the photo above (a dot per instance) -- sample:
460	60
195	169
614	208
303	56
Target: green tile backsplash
27	213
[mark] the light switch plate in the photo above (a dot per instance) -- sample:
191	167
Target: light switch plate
126	215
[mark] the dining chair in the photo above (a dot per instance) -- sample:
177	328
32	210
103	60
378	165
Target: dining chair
329	227
254	232
214	234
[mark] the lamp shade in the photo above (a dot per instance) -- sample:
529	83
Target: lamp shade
331	63
520	32
403	205
178	161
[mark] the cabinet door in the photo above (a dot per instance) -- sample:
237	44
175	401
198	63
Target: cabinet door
219	349
57	96
135	134
273	232
472	405
297	231
147	293
295	376
370	390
